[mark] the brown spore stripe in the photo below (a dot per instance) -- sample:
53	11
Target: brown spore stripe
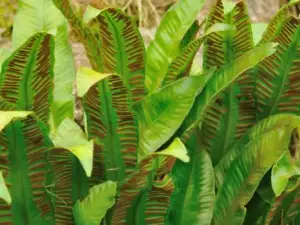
130	189
138	181
180	67
33	62
292	90
14	74
36	157
242	43
158	204
108	52
5	209
215	56
87	36
286	205
96	130
271	69
62	186
213	41
134	48
125	54
129	64
127	126
275	24
98	172
274	208
294	208
42	80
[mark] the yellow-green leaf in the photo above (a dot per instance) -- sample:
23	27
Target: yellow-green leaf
86	78
4	194
7	116
70	137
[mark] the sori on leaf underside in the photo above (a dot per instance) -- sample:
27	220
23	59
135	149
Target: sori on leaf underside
161	142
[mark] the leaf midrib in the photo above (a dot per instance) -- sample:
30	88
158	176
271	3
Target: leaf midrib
105	89
28	72
188	191
286	65
229	56
23	194
121	68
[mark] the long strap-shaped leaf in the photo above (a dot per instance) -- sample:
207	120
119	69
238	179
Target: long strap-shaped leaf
70	184
275	24
42	16
93	208
71	162
166	45
134	189
281	210
161	113
277	83
132	207
233	112
193	199
26	79
248	169
62	186
108	103
111	123
158	200
122	49
264	126
250	139
220	81
181	65
23	150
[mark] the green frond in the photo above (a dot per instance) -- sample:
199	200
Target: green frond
282	209
193	199
160	115
132	206
277	82
25	172
166	45
71	162
62	186
158	200
122	49
34	16
275	24
108	103
247	170
113	126
262	127
233	111
26	79
220	81
181	65
190	35
93	208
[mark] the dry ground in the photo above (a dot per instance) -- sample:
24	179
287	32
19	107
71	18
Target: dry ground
151	10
